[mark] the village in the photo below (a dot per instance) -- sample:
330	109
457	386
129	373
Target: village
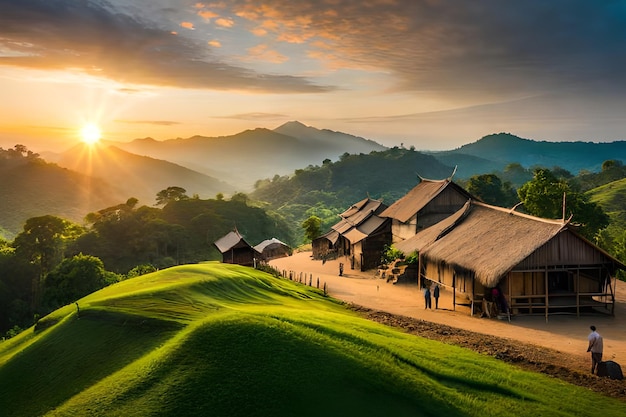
496	261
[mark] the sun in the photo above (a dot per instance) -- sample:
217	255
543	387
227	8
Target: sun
90	134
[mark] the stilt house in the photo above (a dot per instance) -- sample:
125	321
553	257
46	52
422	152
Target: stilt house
540	266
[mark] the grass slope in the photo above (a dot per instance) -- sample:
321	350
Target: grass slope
224	340
612	198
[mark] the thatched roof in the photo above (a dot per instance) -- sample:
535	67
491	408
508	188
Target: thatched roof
427	236
231	241
270	244
416	199
357	222
365	229
357	214
332	236
490	241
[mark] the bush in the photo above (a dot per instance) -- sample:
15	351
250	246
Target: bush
390	254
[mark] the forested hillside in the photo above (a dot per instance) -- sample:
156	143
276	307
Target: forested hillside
494	152
326	190
52	261
31	187
139	176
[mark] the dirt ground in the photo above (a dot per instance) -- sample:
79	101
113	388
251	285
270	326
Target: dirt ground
556	347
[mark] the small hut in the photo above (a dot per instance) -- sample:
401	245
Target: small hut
272	248
235	249
326	246
428	203
538	266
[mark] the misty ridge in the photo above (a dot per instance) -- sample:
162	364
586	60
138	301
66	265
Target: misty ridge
79	180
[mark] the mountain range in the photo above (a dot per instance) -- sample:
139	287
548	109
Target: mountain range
243	158
91	178
496	151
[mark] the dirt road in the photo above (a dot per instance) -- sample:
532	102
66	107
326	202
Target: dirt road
564	333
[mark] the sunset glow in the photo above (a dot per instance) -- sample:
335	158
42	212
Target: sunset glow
90	134
434	75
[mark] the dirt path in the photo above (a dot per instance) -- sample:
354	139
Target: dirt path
557	347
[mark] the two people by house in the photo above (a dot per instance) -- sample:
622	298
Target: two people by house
595	347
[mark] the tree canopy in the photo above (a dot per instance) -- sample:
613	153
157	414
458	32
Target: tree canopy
549	197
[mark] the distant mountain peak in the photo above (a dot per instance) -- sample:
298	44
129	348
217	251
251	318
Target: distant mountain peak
147	139
292	124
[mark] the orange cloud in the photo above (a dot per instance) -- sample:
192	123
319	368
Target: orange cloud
225	22
262	52
259	31
207	14
187	25
215	43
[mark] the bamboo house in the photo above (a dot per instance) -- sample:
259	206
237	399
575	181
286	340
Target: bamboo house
539	266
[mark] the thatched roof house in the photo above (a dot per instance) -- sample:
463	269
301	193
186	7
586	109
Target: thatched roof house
539	265
272	248
360	235
235	249
428	203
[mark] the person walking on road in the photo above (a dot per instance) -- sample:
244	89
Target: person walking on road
595	347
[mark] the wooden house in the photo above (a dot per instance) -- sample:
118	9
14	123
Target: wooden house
235	250
360	235
326	246
271	249
426	204
539	266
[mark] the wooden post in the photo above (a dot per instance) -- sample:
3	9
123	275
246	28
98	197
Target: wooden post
419	269
612	282
473	296
546	292
510	291
578	293
454	291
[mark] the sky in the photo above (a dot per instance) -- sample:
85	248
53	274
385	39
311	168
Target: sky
433	74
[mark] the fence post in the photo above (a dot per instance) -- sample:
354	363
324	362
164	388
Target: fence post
318	283
324	288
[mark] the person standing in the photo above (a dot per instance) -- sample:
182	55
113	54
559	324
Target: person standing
427	300
436	295
595	347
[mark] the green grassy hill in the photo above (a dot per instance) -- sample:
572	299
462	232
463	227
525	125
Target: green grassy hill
612	198
224	340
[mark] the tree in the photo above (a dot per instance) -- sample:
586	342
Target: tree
312	227
548	197
171	194
42	243
75	278
490	189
